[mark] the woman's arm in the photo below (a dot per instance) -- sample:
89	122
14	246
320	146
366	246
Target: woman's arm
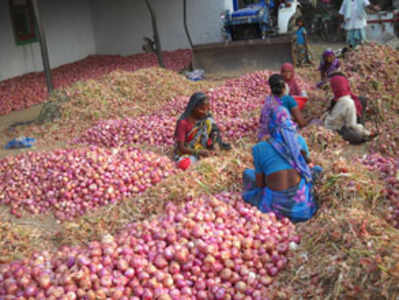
298	117
263	127
323	75
260	176
351	119
184	150
306	157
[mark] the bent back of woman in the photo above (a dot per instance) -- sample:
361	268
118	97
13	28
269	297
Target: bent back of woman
282	180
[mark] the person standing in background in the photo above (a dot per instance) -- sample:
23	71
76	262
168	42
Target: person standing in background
355	20
301	52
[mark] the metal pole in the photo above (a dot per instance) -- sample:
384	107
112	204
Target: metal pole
185	23
157	41
43	47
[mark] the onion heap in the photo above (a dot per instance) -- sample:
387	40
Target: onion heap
117	95
211	248
225	102
319	138
155	129
389	173
24	91
72	182
227	105
230	102
373	69
256	84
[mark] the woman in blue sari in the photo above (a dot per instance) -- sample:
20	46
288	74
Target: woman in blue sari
282	181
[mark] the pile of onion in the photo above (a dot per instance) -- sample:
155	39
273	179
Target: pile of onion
24	91
211	248
156	130
256	84
73	182
224	102
389	172
227	105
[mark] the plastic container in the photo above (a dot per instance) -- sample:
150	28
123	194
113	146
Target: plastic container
301	101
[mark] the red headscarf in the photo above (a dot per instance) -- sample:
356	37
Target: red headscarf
293	85
340	86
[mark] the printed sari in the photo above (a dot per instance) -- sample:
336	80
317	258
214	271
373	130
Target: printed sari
297	203
200	137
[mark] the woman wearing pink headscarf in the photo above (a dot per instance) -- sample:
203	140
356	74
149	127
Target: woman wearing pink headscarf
346	109
288	73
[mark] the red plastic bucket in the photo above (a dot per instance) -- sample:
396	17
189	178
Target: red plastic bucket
301	101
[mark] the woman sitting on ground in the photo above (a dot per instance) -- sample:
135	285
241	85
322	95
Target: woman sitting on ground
196	132
282	180
347	111
329	64
293	88
278	99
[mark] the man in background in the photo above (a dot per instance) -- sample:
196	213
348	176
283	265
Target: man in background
355	20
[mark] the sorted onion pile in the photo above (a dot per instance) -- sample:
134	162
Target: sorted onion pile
227	105
24	91
374	69
256	84
73	182
207	249
389	172
156	129
224	102
319	138
117	95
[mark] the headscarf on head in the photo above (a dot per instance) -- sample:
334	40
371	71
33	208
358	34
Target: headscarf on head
284	139
195	100
292	84
329	68
341	87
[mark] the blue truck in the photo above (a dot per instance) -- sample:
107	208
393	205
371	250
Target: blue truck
258	20
256	36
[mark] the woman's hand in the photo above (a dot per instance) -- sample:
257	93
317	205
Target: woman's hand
373	135
298	118
265	138
204	153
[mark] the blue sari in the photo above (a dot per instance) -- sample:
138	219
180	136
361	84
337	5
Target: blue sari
297	203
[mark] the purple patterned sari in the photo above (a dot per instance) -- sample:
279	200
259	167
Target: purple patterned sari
297	202
270	102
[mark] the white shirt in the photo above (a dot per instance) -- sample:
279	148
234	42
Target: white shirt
344	114
357	19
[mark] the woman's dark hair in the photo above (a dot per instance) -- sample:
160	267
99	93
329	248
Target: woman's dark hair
277	84
196	100
299	19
